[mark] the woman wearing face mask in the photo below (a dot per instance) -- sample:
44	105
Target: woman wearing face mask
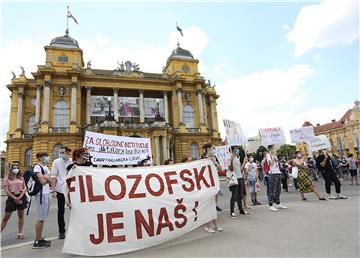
42	198
81	157
305	183
209	152
252	171
15	189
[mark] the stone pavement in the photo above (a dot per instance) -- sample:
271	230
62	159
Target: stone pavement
311	229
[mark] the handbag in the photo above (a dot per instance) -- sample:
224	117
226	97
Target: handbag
231	179
257	187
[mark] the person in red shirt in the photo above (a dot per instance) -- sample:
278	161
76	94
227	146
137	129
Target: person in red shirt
15	189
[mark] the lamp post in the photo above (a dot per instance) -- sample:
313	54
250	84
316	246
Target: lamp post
158	117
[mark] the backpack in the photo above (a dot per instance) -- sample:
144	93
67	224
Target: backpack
33	184
266	167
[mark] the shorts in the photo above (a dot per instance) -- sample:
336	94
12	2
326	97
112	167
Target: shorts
251	185
11	206
353	172
345	171
43	208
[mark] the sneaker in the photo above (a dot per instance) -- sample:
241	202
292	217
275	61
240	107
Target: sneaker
218	208
209	230
45	242
39	245
62	236
333	197
20	236
218	229
322	199
233	215
304	199
273	208
342	196
280	206
257	203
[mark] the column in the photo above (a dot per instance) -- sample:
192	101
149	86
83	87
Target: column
73	102
205	111
164	148
46	105
116	105
157	150
200	105
19	111
141	106
180	105
37	107
88	105
212	112
166	107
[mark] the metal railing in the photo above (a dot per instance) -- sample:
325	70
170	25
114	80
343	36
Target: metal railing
59	130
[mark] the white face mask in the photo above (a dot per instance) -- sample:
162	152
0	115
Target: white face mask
64	157
45	159
251	159
15	171
299	156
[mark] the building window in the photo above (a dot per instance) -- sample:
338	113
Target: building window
56	151
194	148
63	59
61	114
28	158
31	123
188	116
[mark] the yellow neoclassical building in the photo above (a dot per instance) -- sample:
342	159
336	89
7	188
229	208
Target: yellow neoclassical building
344	134
176	108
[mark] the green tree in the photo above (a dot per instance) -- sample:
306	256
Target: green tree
286	150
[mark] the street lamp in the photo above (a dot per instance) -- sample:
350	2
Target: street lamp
158	117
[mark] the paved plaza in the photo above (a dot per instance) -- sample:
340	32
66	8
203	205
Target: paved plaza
307	229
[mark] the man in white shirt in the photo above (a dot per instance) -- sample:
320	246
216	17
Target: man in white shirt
274	180
58	173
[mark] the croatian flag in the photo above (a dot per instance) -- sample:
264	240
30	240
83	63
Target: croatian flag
69	15
179	30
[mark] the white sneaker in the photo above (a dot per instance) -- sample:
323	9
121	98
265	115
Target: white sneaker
333	197
342	196
280	206
273	208
209	230
218	229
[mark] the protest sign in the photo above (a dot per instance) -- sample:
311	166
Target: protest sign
303	134
116	150
223	155
271	136
119	210
318	143
234	133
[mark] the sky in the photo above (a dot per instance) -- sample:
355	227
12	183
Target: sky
272	63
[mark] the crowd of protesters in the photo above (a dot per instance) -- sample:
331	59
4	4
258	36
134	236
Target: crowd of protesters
245	176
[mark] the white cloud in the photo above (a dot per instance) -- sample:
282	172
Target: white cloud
285	27
329	23
317	58
100	50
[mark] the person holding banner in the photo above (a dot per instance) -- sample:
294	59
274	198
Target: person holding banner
236	190
274	181
324	165
81	157
305	183
209	152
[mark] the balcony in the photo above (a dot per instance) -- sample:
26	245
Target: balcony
193	130
59	130
27	136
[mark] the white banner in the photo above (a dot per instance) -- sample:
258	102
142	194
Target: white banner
116	150
120	210
234	133
271	136
303	134
223	155
318	143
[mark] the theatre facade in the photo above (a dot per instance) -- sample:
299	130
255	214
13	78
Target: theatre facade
176	108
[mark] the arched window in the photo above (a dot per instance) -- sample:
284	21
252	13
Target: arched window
194	150
61	114
188	116
56	151
28	157
30	124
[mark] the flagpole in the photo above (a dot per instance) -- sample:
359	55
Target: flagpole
177	35
67	21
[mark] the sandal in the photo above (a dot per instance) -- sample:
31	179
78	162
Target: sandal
20	236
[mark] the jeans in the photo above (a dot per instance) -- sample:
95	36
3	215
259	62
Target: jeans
330	177
61	210
236	195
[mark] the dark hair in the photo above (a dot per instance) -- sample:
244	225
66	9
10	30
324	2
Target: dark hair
41	154
66	148
167	162
351	155
78	152
207	146
270	146
297	152
18	175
